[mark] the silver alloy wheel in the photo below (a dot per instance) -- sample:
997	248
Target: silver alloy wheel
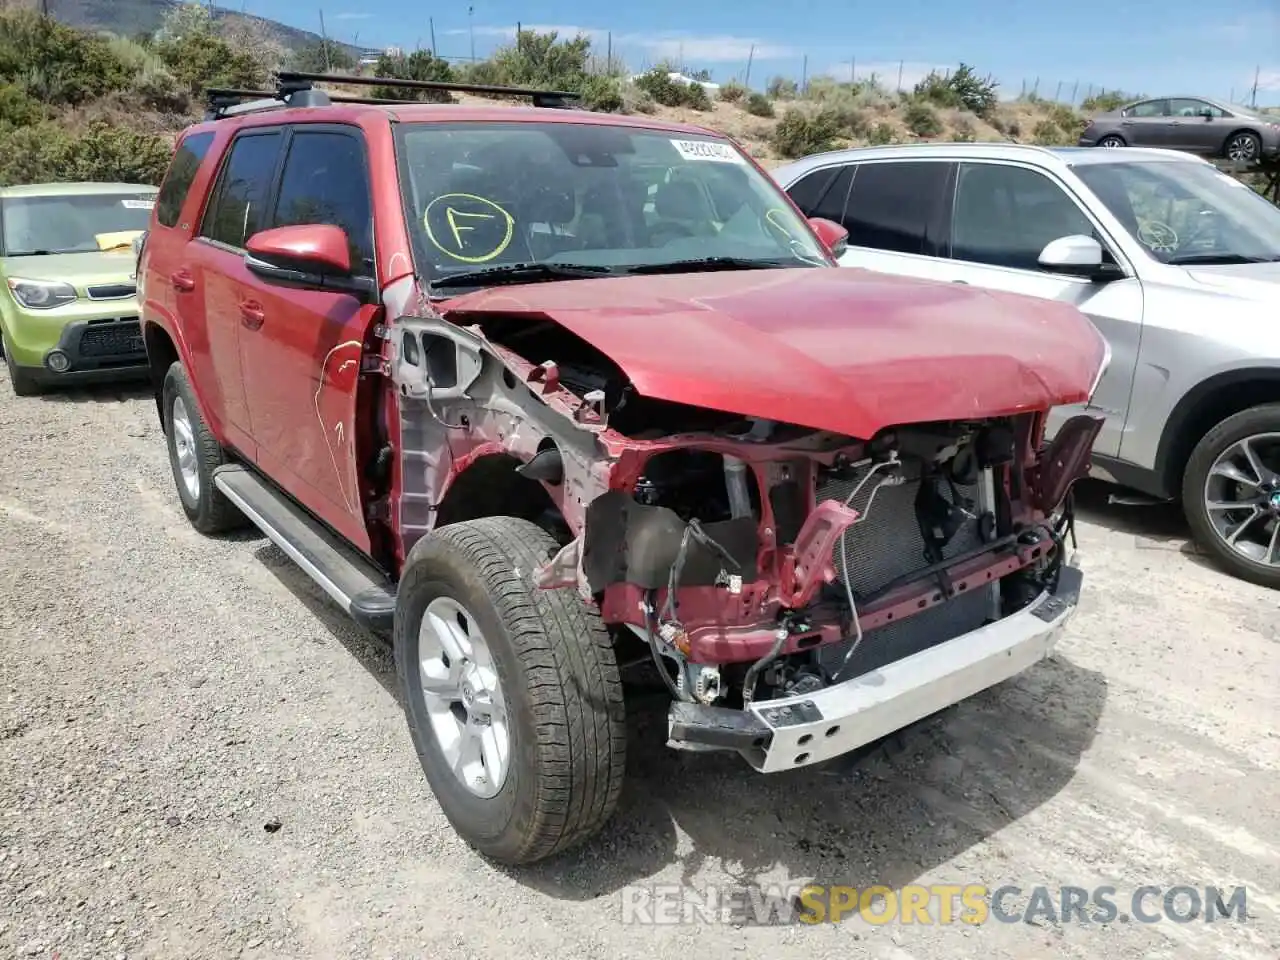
1242	497
1110	142
184	443
463	697
1243	147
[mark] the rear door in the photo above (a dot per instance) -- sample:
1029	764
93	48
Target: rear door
301	350
1147	124
235	211
1001	217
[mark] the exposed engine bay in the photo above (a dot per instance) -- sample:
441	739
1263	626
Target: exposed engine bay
748	559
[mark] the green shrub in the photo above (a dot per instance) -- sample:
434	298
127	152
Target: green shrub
733	92
881	134
669	92
922	120
800	133
17	108
1047	133
635	100
604	93
1106	101
200	60
57	64
45	152
419	65
158	89
962	88
326	55
758	105
1067	119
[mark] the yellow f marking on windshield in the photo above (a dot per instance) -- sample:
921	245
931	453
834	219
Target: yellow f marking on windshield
473	235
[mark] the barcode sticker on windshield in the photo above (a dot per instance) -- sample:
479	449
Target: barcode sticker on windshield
138	204
707	150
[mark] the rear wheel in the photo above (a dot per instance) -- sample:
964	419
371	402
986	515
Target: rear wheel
193	455
1111	141
1243	147
1231	494
511	692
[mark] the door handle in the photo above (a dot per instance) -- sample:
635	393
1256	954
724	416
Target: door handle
965	282
182	281
251	314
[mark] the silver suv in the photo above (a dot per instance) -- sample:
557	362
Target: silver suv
1176	263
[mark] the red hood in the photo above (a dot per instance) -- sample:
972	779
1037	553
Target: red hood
836	349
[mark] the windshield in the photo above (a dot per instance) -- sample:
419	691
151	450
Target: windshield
1187	212
490	195
74	224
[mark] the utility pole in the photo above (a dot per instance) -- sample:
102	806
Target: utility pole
324	40
804	75
431	23
853	72
751	55
471	29
1253	96
900	65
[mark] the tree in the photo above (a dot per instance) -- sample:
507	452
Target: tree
419	65
322	56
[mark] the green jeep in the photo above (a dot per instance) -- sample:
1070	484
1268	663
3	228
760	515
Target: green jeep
68	304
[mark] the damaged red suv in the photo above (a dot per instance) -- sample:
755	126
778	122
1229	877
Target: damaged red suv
549	394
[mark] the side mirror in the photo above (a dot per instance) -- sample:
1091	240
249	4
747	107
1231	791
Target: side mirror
833	236
1077	256
308	256
1207	113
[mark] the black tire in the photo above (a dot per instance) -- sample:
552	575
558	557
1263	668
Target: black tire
1263	419
559	677
1112	140
210	511
1251	142
24	381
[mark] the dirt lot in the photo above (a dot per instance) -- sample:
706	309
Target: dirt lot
166	696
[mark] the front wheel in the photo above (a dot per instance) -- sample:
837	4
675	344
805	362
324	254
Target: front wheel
1231	494
193	455
512	692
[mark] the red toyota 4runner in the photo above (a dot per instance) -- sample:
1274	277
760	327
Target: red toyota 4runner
547	393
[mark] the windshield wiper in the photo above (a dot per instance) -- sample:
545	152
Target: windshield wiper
34	253
1216	259
714	263
521	273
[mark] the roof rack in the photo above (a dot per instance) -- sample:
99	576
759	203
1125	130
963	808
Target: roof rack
297	90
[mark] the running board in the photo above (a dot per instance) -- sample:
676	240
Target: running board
367	596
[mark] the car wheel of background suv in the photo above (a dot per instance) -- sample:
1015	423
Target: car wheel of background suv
1231	494
194	454
512	692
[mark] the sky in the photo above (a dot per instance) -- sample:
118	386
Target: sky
1063	50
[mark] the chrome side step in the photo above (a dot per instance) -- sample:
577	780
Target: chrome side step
352	582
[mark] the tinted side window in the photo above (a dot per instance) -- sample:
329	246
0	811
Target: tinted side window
832	205
1193	108
325	181
808	190
1152	108
236	211
1006	215
177	181
891	204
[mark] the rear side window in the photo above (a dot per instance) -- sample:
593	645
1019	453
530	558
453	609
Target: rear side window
182	173
325	181
236	211
832	205
893	204
808	190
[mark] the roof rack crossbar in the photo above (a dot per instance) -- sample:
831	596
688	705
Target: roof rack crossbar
292	81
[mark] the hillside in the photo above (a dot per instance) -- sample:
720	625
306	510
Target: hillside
130	18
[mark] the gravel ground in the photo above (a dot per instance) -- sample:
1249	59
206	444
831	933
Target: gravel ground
199	757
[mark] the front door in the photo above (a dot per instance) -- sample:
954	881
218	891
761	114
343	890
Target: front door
1003	216
301	350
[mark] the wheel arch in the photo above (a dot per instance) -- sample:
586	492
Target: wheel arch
161	353
491	487
1208	403
1236	132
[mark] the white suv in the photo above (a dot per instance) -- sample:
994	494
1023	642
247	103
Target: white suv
1176	263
